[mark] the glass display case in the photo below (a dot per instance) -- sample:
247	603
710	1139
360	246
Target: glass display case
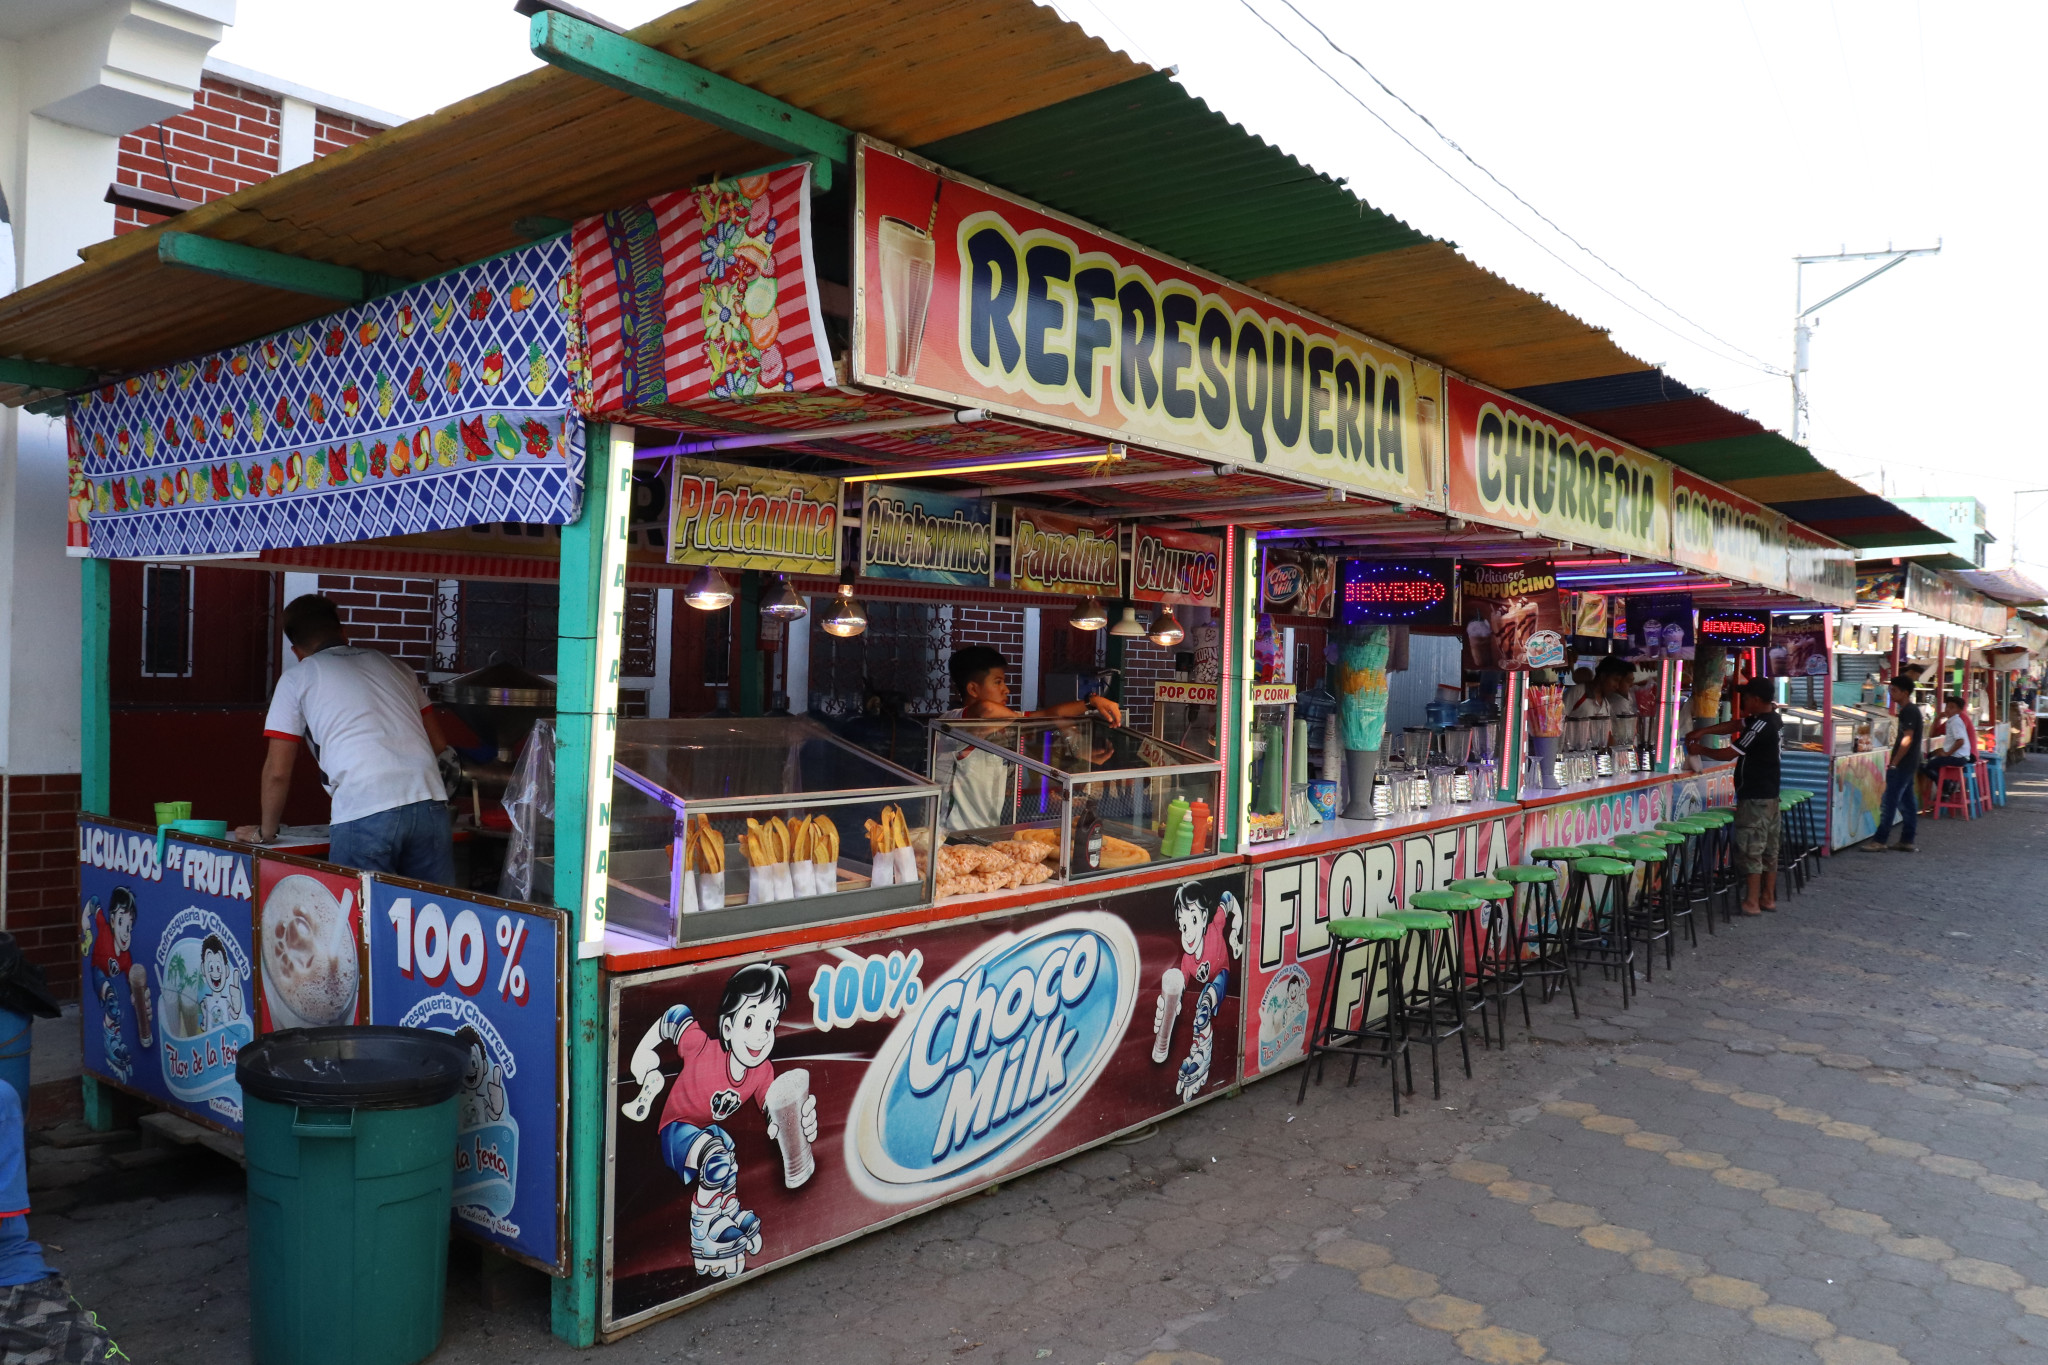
1100	798
1278	769
1876	726
1807	729
725	826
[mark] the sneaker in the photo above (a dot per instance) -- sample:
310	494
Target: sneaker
1908	848
1875	847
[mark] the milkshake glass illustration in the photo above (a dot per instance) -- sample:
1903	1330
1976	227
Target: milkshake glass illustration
908	259
786	1095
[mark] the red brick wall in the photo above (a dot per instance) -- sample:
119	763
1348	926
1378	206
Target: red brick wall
1145	665
227	140
42	874
395	615
332	132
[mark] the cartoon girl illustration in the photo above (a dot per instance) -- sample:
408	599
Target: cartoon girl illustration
221	1004
1211	938
717	1077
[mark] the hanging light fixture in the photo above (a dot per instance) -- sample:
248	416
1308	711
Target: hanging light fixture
787	605
1165	630
1090	615
1127	627
708	591
848	617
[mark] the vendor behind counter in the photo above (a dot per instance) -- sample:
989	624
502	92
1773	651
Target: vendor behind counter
374	735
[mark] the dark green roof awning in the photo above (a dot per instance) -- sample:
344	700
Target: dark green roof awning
1150	162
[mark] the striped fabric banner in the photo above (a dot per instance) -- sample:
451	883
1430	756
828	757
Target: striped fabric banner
700	294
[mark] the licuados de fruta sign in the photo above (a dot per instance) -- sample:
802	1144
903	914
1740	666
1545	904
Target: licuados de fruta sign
1515	465
968	295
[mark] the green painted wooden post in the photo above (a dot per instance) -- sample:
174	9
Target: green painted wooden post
95	750
591	629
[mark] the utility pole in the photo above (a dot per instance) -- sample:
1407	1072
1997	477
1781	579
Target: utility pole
1802	330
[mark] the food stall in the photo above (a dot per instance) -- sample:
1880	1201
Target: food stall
758	982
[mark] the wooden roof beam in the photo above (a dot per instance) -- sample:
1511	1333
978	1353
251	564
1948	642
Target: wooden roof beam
650	74
34	374
274	270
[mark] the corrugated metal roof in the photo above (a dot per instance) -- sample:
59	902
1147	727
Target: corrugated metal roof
1149	161
446	189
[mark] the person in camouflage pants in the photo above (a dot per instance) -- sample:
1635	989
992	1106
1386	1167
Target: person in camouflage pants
40	1322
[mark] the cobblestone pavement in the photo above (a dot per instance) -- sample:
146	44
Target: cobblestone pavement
1816	1140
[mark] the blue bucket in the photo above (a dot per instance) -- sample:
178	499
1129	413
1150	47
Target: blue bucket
17	1031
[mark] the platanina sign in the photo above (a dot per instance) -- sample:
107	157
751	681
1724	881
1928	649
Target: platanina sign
734	517
968	295
1514	465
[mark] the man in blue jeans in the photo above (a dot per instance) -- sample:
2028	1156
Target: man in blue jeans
1902	770
375	739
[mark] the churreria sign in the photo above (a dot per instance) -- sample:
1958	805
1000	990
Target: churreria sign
1510	464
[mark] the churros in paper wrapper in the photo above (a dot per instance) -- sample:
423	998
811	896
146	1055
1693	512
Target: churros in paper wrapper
889	844
703	868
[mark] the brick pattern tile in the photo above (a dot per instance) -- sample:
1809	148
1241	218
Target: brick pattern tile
41	874
228	140
395	615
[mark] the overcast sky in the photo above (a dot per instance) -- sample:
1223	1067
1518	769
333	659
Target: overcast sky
1696	148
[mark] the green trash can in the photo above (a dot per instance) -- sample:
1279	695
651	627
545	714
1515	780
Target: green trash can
350	1139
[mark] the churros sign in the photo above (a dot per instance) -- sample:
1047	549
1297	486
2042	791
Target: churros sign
733	517
1173	566
1066	555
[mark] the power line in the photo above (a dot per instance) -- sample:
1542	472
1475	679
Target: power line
1452	143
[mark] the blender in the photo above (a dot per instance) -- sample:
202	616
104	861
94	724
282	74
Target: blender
1600	738
1625	755
1458	742
1415	739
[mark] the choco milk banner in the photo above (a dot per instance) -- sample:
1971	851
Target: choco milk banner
969	295
1514	465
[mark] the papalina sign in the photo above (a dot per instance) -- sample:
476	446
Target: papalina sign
1073	556
1515	465
969	295
1174	566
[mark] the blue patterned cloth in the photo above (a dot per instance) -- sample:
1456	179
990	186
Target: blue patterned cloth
446	404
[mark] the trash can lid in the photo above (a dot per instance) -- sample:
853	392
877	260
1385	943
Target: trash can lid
367	1066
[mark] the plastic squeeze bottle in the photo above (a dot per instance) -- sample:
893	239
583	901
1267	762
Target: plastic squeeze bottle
1176	821
1198	827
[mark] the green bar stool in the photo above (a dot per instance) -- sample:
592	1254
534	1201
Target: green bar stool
1543	931
1492	954
1435	994
1792	837
1649	911
1564	858
1720	853
1603	939
1678	848
1808	815
1381	1036
1691	877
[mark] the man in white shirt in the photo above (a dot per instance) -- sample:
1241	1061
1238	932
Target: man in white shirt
1954	745
375	740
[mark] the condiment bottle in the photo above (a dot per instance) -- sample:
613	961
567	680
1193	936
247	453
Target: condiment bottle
1198	827
1176	821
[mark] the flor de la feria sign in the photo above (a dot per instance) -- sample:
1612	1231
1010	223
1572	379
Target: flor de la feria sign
1516	465
972	296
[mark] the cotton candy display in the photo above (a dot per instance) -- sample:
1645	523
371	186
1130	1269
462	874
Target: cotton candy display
1362	679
